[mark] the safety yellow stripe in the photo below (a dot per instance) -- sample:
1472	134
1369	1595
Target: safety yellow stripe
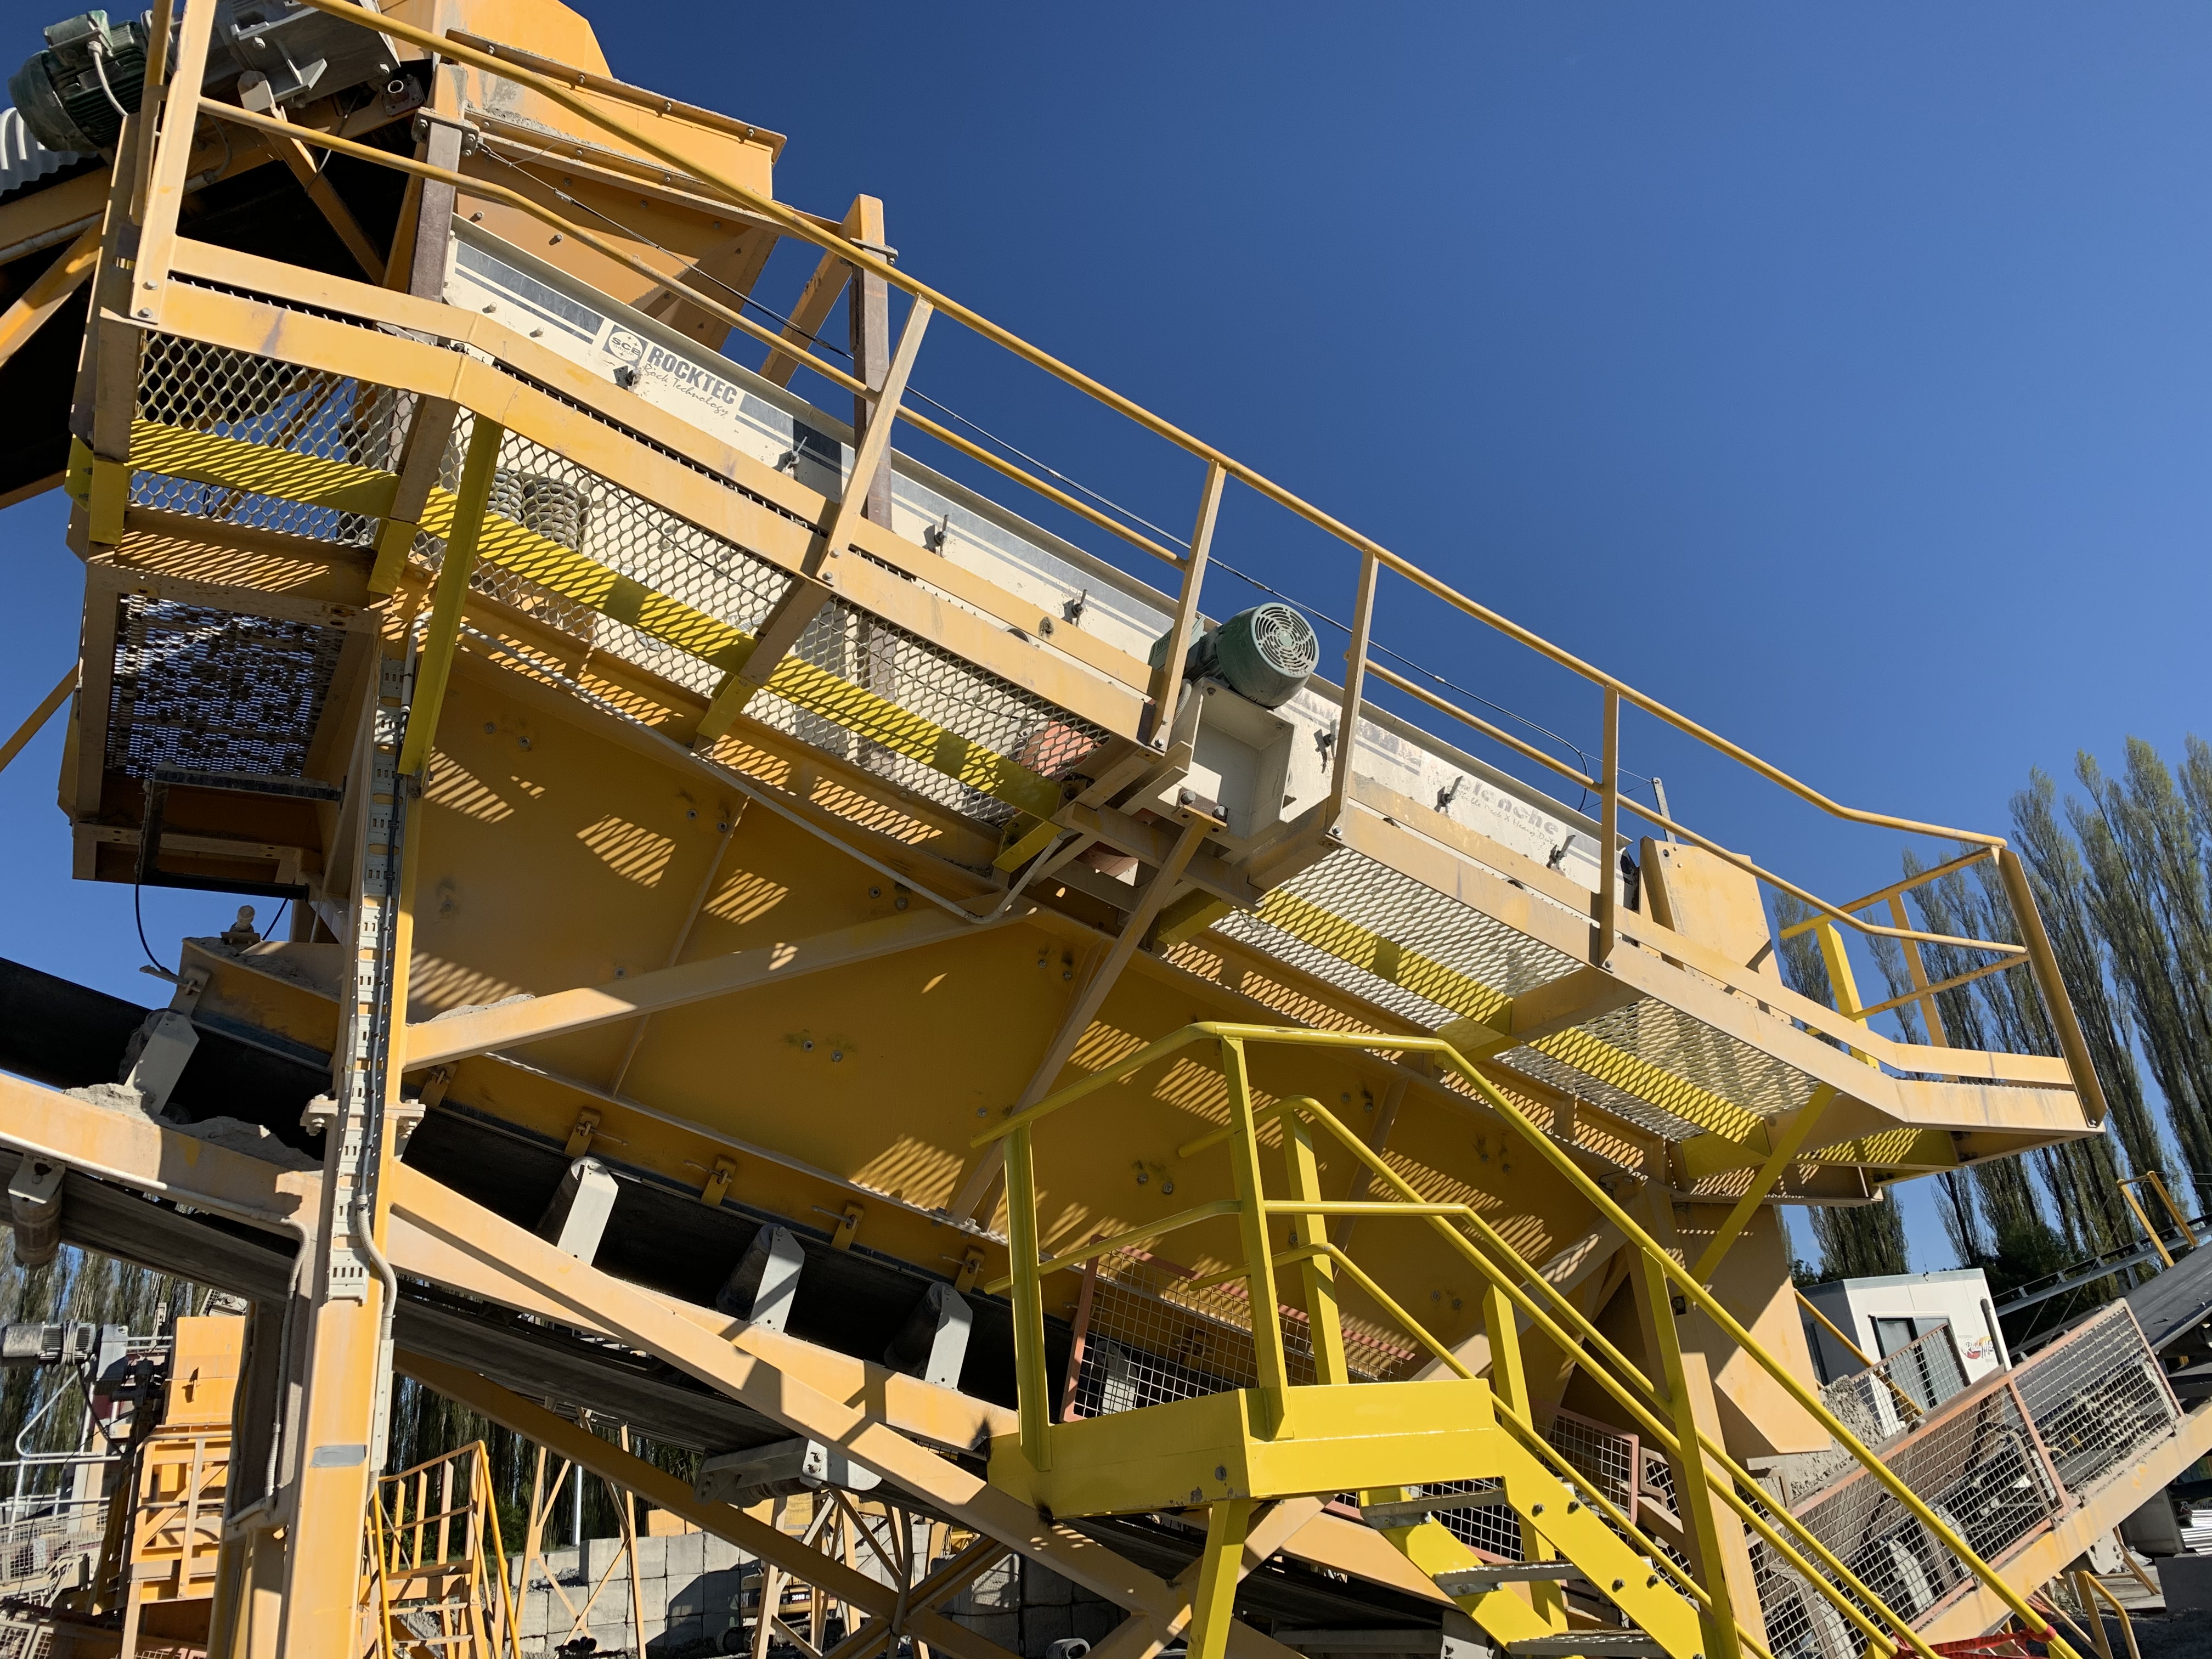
178	451
1593	1057
206	458
1384	958
1450	988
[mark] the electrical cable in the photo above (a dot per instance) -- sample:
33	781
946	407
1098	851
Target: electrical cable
100	69
138	916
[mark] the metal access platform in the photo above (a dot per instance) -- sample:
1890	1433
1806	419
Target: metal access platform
787	951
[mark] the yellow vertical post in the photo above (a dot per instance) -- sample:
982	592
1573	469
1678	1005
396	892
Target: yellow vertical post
1214	1607
1509	1381
1937	1036
1355	687
1841	981
1032	1384
1269	1360
2158	1186
1167	678
1699	1507
2128	1192
443	635
2092	1615
1608	826
1317	1273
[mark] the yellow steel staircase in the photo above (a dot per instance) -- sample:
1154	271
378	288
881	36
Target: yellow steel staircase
1231	1450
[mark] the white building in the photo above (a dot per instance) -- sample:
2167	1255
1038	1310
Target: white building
1948	1314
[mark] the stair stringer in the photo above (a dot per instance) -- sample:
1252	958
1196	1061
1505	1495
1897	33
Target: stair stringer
1548	1507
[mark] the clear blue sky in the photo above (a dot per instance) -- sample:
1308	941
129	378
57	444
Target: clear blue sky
1839	375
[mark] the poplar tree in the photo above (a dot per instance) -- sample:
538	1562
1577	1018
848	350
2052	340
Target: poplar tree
2142	843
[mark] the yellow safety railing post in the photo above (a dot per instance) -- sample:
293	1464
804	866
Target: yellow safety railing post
1269	1360
1608	828
1586	1337
1033	1386
442	637
1923	992
1167	678
2142	1218
2158	1185
1310	1238
1355	688
1843	984
1693	1481
1509	1387
2043	964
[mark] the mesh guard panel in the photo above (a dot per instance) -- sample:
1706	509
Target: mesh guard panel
212	690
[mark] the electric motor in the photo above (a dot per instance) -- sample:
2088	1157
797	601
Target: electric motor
1264	654
74	95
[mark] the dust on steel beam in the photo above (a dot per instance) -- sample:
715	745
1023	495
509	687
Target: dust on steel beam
508	1025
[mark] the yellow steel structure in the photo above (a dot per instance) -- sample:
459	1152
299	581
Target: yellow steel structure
758	823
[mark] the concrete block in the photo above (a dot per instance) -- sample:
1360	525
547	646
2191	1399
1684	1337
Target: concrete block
998	1590
652	1557
1044	1588
1042	1626
599	1554
686	1555
2187	1582
720	1552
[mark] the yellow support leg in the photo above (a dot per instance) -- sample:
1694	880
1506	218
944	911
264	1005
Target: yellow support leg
1215	1605
451	593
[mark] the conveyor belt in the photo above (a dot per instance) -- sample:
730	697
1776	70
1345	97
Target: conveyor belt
2170	1307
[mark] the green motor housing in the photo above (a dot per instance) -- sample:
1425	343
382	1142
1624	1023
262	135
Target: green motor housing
73	95
1264	654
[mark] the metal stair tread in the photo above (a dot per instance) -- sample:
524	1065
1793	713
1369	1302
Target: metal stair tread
1594	1643
1491	1574
1412	1511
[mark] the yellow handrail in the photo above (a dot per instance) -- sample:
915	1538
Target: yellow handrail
532	73
807	228
1232	1035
